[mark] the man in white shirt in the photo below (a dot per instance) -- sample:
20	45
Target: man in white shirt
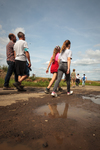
21	56
78	79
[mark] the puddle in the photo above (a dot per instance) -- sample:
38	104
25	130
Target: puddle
61	110
59	137
6	146
93	98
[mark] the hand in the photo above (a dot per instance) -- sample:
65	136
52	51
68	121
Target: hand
67	71
47	71
29	65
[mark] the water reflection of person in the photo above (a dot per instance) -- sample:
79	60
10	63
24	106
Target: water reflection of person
54	112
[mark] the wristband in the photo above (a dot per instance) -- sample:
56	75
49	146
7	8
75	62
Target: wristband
29	62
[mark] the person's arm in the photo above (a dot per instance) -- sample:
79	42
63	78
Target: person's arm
58	61
49	65
28	57
68	61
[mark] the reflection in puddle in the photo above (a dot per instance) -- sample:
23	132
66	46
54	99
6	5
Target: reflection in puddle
93	98
5	146
58	112
53	110
61	110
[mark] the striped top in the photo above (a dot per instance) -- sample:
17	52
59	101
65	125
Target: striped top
10	51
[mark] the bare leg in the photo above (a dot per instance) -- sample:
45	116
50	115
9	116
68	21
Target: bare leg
72	82
52	80
21	78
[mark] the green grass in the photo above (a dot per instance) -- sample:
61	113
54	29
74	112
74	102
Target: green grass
44	83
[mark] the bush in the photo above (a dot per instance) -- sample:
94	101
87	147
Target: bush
4	68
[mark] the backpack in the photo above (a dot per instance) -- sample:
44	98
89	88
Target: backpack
84	78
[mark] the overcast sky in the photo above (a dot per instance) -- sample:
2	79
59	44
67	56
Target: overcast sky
47	23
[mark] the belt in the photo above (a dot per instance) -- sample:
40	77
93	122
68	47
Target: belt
63	62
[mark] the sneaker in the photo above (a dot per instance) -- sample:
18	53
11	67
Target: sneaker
54	94
70	93
47	91
60	89
17	85
7	88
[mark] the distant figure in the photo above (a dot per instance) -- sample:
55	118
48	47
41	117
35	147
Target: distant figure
77	79
54	68
10	61
21	56
64	67
73	78
84	78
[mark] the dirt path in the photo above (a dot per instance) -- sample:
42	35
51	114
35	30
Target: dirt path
34	120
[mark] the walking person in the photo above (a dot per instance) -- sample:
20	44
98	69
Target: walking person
54	68
73	78
77	79
21	56
64	67
10	61
84	78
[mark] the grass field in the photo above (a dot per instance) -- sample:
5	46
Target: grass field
37	81
43	82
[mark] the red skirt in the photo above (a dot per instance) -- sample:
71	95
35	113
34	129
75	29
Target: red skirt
54	67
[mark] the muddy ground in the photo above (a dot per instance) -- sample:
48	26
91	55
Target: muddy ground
33	120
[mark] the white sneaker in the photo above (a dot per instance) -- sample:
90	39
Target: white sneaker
70	93
54	94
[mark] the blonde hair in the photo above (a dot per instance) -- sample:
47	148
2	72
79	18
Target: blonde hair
55	51
65	45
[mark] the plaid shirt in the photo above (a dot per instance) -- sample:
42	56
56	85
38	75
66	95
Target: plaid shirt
10	51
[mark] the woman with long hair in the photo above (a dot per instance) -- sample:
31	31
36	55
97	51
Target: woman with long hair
54	68
64	67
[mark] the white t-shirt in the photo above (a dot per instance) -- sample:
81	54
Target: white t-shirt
78	77
19	49
64	55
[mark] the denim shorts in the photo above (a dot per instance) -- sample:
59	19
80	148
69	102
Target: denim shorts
26	69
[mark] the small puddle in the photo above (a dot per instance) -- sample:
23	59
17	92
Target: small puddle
93	98
61	110
6	146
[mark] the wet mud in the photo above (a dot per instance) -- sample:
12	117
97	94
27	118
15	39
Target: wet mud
42	122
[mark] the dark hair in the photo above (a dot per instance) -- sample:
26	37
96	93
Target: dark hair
65	45
11	35
20	34
73	70
78	74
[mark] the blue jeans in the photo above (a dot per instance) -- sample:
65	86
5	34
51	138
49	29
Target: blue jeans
83	82
11	69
